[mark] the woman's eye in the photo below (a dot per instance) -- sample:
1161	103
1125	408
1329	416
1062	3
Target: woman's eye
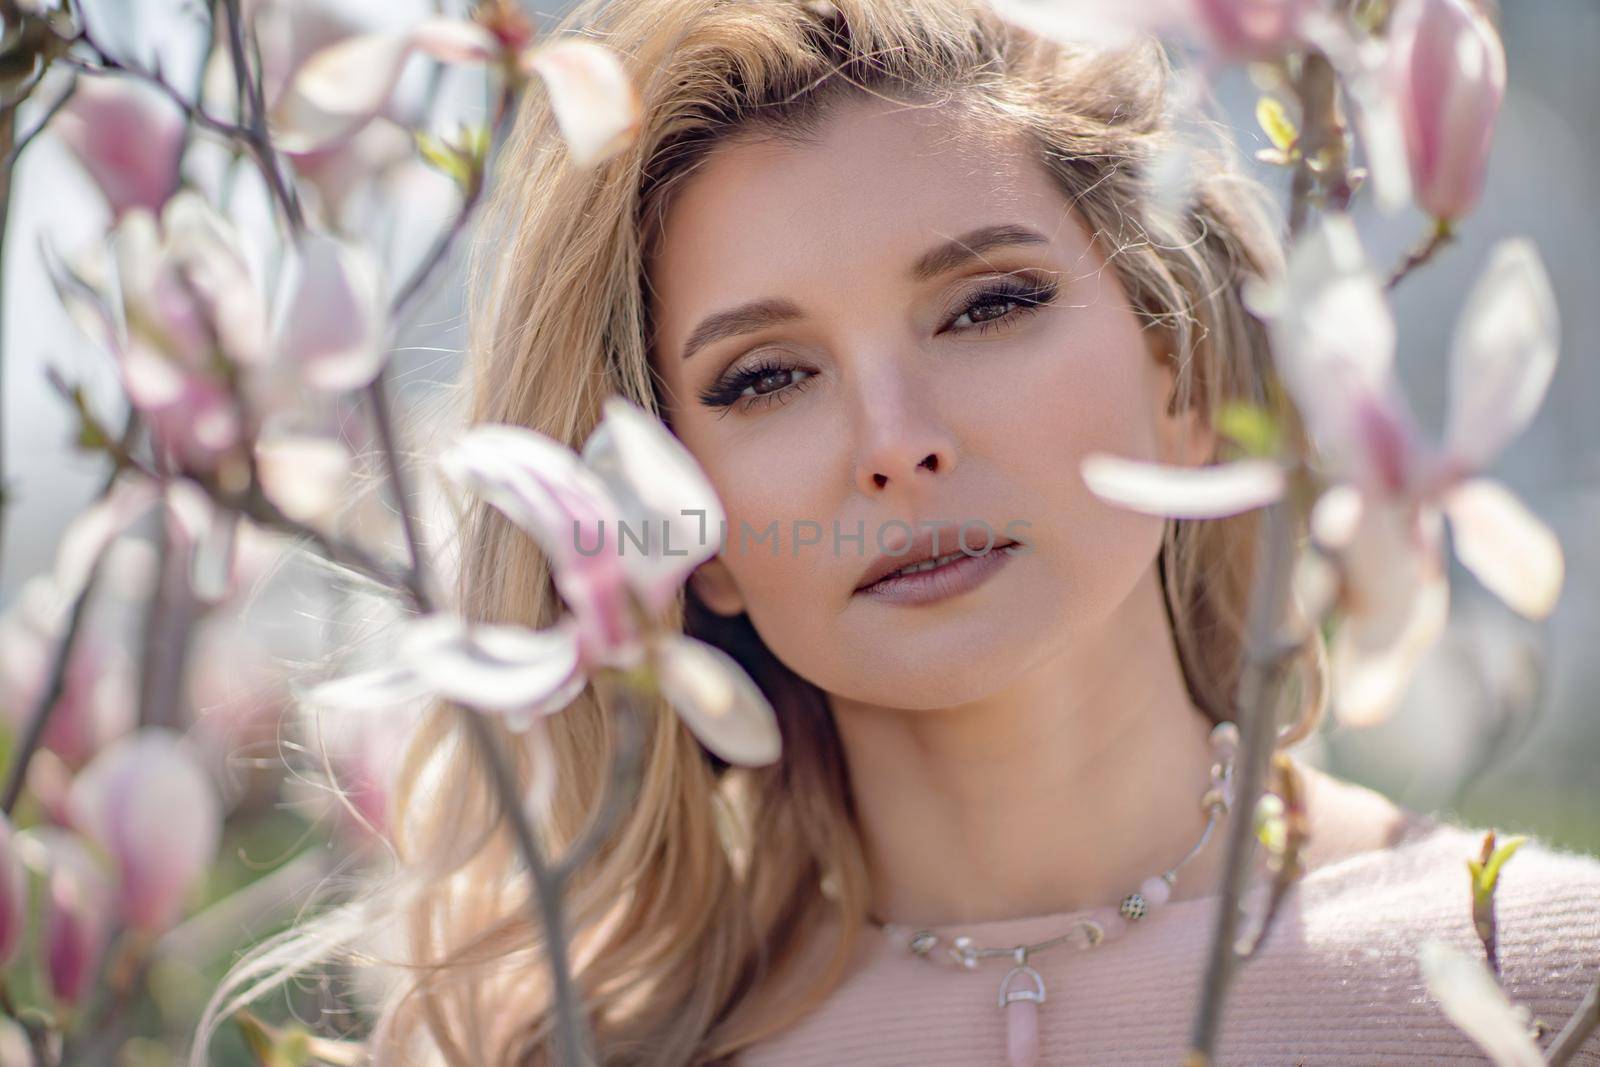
769	382
1003	300
764	383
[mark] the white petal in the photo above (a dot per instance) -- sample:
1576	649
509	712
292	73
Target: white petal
495	668
1333	339
595	103
330	322
383	687
719	702
1092	22
1183	492
1336	516
1504	353
94	528
305	476
1474	1001
455	40
1396	602
338	89
663	495
1512	552
536	481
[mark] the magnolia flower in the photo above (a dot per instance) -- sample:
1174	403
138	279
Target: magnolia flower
78	910
96	702
622	526
330	317
1449	78
1226	29
155	811
341	88
128	136
13	894
1383	516
1474	1001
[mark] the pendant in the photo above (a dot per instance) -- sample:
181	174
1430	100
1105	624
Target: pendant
1022	1011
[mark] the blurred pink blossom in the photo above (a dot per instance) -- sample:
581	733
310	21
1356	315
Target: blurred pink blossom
13	894
1383	516
78	910
632	473
148	802
1449	78
128	136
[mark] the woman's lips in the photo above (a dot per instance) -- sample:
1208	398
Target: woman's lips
957	576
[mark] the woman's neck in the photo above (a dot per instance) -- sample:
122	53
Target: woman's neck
1063	792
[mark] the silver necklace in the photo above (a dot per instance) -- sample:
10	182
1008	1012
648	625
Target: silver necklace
1022	989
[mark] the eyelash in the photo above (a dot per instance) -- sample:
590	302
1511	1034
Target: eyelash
728	391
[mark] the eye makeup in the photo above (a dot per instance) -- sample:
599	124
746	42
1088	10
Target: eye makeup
736	388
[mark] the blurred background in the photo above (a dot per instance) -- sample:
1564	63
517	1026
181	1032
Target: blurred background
1502	726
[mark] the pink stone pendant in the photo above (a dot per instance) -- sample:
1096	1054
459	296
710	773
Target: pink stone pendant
1022	1013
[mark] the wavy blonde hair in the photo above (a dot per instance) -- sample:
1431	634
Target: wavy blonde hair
727	901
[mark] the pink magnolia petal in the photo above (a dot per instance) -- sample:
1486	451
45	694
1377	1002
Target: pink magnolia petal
79	908
1334	340
1183	492
13	894
663	496
330	322
1396	603
1512	552
88	535
1250	29
128	136
155	811
339	89
1473	1000
1504	353
455	41
209	253
596	106
718	701
511	669
543	487
1449	79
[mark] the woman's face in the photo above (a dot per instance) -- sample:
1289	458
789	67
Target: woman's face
890	379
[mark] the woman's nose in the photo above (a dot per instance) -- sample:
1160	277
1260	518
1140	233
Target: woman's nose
903	440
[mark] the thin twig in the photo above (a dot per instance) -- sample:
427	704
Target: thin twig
620	789
1584	1022
416	575
1440	235
50	111
1258	729
572	1034
50	695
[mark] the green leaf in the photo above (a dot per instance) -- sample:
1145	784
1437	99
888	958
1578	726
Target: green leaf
1276	123
1272	829
1251	428
1486	875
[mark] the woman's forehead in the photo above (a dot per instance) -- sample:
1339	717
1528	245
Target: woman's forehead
883	183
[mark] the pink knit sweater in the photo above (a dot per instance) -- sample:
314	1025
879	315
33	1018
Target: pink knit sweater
1336	983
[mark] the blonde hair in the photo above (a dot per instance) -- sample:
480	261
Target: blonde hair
726	902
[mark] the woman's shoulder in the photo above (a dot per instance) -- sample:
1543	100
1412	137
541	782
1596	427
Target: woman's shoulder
1361	920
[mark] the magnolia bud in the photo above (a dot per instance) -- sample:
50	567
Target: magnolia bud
1449	77
147	801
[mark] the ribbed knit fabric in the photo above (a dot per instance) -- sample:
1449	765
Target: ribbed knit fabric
1336	983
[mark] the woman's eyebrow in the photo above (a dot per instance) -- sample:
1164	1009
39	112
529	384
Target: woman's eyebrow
761	314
